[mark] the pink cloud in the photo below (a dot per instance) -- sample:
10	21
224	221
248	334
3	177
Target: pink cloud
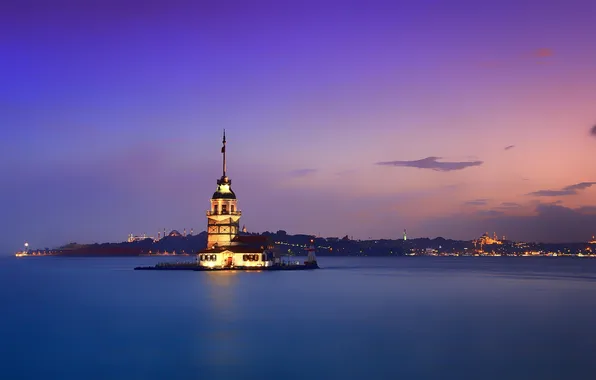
543	53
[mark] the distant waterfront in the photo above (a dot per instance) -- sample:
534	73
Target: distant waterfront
287	244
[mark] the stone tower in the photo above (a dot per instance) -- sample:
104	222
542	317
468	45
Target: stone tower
223	218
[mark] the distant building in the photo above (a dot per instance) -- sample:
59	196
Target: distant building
174	233
487	240
132	238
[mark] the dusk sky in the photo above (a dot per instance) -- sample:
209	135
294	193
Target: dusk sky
448	118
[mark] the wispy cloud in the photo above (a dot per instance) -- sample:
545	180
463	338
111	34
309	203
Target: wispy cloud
552	193
490	213
581	186
509	147
569	190
302	172
543	53
477	202
432	164
346	172
509	205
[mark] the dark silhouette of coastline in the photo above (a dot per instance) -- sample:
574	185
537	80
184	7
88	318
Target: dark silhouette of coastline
295	245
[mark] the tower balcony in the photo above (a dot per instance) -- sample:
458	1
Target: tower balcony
234	213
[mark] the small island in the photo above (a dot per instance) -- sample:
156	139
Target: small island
226	249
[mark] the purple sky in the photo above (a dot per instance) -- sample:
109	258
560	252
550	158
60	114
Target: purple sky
448	118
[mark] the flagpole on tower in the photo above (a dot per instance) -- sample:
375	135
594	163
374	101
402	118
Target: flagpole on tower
223	150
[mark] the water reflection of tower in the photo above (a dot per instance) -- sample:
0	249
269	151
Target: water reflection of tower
221	332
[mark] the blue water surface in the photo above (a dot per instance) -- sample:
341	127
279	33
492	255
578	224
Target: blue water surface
357	318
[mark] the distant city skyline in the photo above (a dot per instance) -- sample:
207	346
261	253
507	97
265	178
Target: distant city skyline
362	118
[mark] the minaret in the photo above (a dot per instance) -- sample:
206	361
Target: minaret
405	236
223	219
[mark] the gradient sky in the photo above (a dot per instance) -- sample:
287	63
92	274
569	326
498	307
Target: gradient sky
448	118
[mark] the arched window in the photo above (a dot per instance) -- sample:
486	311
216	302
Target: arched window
224	209
232	208
245	257
215	209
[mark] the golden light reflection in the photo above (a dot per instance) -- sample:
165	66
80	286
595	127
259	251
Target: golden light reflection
223	335
221	288
221	278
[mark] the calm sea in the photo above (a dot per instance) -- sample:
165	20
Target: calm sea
358	318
